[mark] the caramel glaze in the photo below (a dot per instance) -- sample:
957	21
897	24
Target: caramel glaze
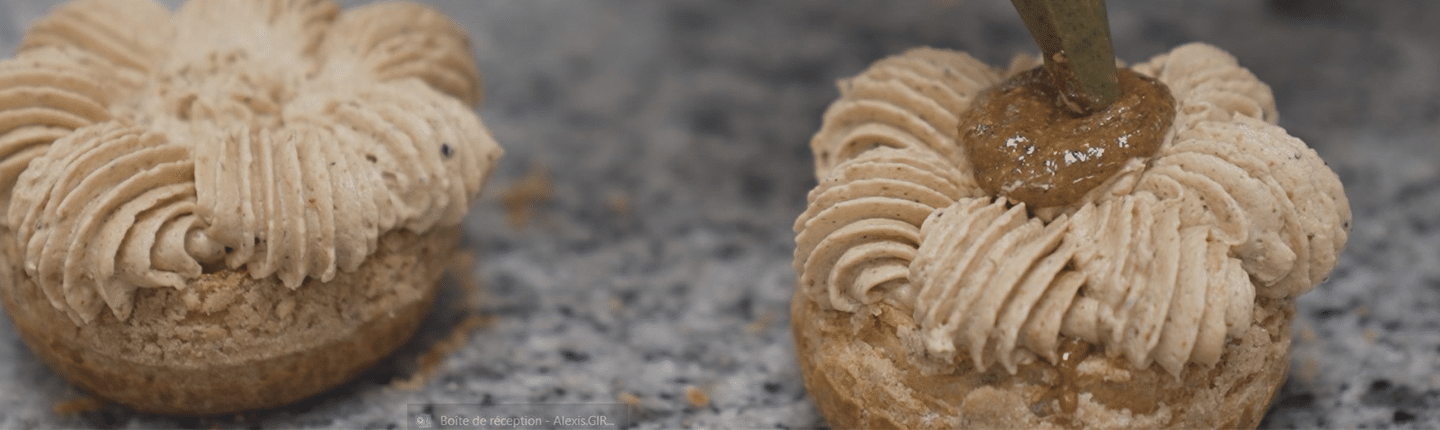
1072	353
1027	146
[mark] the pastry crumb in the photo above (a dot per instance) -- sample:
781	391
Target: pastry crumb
761	323
521	197
628	398
696	396
462	268
619	203
430	361
1310	370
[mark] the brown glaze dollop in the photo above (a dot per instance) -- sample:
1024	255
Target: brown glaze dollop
1029	148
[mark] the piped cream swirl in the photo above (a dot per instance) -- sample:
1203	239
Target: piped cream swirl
278	137
1159	264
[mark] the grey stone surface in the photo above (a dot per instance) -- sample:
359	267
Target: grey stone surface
675	134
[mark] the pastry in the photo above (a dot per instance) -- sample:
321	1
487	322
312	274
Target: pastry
236	205
946	281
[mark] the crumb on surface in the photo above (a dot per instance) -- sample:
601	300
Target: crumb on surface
1310	371
696	396
619	203
430	361
760	323
462	268
521	197
628	398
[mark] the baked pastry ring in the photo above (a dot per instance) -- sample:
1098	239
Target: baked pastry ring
237	205
1161	298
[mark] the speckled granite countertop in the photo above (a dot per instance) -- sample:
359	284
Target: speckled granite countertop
671	139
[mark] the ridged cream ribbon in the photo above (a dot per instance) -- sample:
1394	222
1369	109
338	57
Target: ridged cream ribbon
1159	264
137	149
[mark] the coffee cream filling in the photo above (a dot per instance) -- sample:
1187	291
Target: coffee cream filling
282	138
1159	264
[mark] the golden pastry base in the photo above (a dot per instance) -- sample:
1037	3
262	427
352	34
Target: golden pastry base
231	343
863	375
